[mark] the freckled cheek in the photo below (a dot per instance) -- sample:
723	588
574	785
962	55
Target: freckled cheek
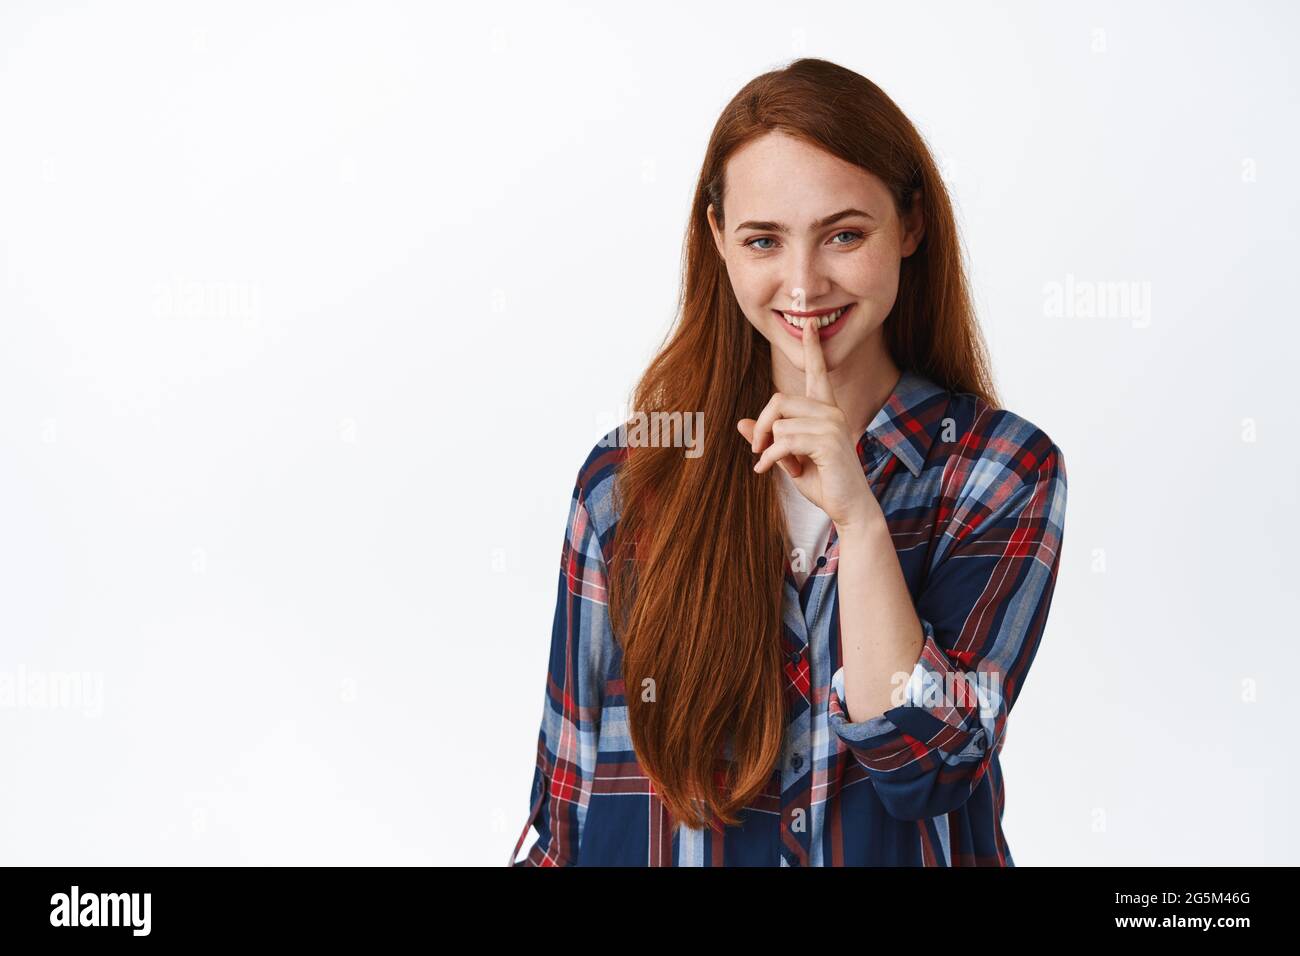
758	288
871	278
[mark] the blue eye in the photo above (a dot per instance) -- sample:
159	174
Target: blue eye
853	235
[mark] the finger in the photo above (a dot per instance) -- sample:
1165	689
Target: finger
783	447
779	406
802	436
793	467
786	427
817	383
807	432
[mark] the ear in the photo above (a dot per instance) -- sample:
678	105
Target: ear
913	225
717	233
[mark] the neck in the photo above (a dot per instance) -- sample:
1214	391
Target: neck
862	384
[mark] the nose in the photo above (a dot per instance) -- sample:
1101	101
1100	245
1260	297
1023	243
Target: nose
807	280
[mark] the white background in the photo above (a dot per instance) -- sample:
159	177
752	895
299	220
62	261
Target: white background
310	312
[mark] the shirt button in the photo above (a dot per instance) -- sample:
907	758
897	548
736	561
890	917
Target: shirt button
794	657
821	562
796	761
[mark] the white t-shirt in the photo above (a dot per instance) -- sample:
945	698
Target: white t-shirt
809	526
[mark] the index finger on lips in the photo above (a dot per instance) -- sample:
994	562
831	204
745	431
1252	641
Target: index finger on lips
817	382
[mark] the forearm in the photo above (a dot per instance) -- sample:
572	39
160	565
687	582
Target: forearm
880	633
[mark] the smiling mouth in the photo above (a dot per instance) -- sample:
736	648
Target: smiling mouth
799	321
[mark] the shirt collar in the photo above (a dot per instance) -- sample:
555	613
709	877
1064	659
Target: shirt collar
906	424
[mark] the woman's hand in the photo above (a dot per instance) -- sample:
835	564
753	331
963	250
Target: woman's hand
809	437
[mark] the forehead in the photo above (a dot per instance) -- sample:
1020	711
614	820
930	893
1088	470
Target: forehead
777	176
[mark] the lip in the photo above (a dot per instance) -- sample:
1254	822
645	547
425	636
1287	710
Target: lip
822	334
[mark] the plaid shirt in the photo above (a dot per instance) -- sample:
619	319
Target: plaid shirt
975	500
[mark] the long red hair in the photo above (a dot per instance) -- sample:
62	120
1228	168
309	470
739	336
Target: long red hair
696	577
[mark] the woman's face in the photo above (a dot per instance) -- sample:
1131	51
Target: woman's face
798	218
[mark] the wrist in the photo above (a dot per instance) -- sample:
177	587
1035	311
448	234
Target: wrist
867	522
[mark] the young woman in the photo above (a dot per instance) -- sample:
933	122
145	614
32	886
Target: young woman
800	646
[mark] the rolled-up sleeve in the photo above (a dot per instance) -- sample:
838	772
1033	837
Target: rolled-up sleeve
570	725
983	610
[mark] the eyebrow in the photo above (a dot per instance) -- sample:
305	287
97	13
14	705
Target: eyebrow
820	223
